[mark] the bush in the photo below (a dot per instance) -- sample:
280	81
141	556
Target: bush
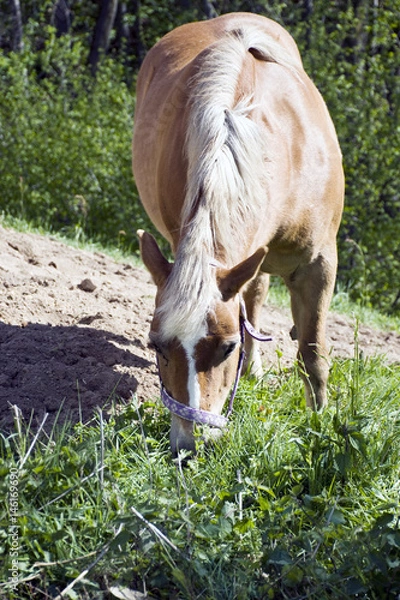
65	143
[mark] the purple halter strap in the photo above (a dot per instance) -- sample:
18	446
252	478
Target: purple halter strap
197	415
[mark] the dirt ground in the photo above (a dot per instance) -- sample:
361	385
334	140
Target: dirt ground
74	327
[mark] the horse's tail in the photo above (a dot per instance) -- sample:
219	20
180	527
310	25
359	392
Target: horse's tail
226	175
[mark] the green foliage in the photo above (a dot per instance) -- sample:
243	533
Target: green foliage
64	149
288	504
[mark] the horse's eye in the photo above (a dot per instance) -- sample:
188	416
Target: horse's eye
228	348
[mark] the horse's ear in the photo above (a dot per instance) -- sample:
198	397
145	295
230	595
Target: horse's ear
153	258
231	280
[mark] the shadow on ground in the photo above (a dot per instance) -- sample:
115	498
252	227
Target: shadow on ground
44	367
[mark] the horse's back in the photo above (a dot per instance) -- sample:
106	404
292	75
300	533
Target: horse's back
159	161
291	115
181	45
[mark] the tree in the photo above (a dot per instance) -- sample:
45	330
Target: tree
101	37
61	17
17	26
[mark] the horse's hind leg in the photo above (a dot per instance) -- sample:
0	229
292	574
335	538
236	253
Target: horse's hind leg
254	296
311	289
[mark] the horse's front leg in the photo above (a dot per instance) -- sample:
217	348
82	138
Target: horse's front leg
254	297
311	289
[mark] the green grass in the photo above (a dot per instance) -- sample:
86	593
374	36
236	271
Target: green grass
288	504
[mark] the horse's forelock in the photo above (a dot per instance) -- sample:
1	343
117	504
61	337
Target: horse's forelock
190	294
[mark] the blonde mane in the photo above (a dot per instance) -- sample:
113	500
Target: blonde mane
225	181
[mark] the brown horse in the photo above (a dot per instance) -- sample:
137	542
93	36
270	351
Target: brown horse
238	166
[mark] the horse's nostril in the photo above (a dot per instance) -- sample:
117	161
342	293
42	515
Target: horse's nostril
181	436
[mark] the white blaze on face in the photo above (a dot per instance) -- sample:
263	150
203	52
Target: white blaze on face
193	385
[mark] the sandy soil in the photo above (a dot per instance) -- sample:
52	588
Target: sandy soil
74	326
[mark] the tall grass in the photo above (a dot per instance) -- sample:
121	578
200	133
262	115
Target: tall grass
288	504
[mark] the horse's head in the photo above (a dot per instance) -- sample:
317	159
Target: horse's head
197	371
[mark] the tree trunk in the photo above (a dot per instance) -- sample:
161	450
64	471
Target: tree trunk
102	32
61	17
17	43
209	9
137	42
122	28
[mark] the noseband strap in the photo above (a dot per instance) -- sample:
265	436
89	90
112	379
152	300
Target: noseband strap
192	414
197	415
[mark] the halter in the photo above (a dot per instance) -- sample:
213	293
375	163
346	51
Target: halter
197	415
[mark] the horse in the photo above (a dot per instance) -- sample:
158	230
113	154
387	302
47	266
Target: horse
237	164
